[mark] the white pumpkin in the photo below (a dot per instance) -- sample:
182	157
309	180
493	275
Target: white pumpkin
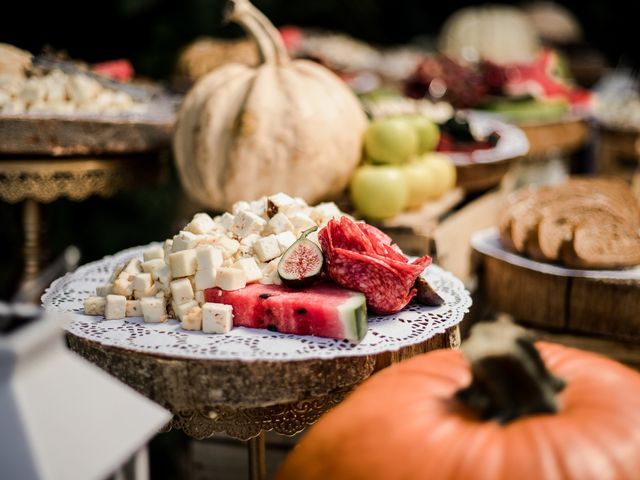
499	33
285	125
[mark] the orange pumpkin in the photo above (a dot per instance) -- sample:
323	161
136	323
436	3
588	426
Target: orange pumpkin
410	421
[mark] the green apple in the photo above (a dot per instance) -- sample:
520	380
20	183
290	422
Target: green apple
378	191
390	140
443	170
421	182
428	133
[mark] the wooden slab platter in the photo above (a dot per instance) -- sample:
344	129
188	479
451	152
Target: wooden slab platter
551	297
563	136
76	134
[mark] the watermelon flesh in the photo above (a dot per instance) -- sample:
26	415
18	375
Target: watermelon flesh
322	310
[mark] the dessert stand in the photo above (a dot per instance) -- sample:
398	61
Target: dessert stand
248	381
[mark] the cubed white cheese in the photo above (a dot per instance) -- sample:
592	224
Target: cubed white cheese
200	224
324	212
116	272
249	240
285	240
208	257
153	253
123	284
149	292
298	206
167	246
153	309
151	266
226	220
192	320
181	290
259	207
217	318
250	268
183	263
246	223
302	222
163	277
184	241
280	223
116	307
94	305
133	266
281	201
229	246
267	248
205	278
199	296
240	207
182	309
104	290
133	309
142	282
230	278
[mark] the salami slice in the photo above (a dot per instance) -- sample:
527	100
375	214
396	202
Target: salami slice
361	257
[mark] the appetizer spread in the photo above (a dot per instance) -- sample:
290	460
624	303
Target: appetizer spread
585	223
273	263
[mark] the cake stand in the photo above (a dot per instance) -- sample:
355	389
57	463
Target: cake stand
248	381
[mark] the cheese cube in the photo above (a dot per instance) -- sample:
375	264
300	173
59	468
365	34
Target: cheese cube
157	252
192	320
240	207
267	248
217	318
230	279
229	246
266	280
123	284
167	246
133	309
281	201
301	221
162	276
133	266
249	240
181	290
246	223
116	272
94	305
153	309
184	241
180	310
285	240
152	266
149	292
116	307
259	207
324	212
142	282
208	257
200	224
250	268
104	290
226	220
205	278
183	263
199	297
280	223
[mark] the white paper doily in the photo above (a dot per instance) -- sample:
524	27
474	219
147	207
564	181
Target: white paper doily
415	324
488	242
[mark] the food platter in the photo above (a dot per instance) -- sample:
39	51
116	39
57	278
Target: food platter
413	325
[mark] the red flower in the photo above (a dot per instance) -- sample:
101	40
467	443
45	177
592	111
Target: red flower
360	257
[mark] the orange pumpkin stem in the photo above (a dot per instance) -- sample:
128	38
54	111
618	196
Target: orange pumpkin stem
509	377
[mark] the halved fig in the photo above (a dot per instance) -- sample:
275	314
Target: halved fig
425	294
301	264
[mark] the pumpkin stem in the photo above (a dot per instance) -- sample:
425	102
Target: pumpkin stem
509	377
257	25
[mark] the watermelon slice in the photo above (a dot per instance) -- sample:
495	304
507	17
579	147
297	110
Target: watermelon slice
322	310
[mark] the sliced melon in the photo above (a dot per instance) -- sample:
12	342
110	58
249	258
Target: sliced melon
323	310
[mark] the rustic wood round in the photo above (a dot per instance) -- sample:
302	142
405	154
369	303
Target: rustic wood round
557	137
245	398
542	298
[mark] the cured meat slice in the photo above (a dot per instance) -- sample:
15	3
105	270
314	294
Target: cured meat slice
360	257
